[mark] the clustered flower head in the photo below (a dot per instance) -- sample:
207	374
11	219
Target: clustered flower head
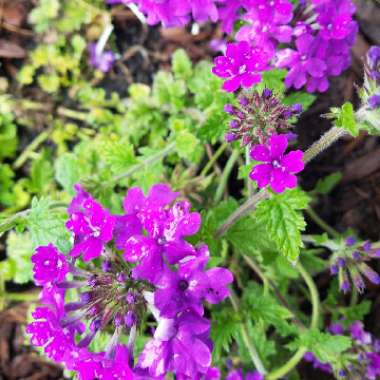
259	116
278	168
239	375
350	263
317	35
173	13
120	268
364	355
242	65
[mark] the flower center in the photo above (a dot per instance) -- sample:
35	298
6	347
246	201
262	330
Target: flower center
183	285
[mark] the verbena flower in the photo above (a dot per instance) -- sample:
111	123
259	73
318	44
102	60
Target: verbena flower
103	61
350	263
362	359
373	61
159	273
278	168
259	116
242	65
239	375
374	101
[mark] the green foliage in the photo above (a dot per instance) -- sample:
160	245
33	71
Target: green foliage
345	118
283	220
18	266
327	184
8	135
324	346
47	225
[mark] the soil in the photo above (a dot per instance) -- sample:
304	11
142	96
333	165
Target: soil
354	203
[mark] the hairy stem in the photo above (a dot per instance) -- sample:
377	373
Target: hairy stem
247	340
331	136
225	175
297	357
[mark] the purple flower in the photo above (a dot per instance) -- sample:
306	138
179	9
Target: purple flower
238	375
359	334
91	224
49	265
242	65
374	101
180	346
278	168
373	367
267	24
103	61
304	64
373	60
317	364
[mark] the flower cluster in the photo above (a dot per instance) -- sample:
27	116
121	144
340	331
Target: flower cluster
257	117
364	355
239	375
278	168
318	35
349	262
242	65
120	268
173	13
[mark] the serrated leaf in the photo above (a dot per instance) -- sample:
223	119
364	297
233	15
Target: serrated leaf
346	119
18	263
324	346
283	221
181	64
47	225
67	171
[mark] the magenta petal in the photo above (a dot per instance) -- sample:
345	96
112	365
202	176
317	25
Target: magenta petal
277	146
133	200
292	161
161	194
232	85
248	80
261	174
260	153
316	67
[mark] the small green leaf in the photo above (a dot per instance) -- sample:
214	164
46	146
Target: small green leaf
327	184
346	119
67	171
281	217
181	64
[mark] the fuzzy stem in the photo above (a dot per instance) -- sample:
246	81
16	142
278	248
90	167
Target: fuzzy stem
329	138
321	223
297	357
318	147
247	341
225	175
213	159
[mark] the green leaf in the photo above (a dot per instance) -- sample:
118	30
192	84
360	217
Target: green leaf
324	346
186	145
18	263
49	83
281	217
67	171
327	184
181	64
225	327
47	225
273	79
42	15
41	174
299	97
346	119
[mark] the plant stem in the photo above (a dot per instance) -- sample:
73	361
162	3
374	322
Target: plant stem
213	159
329	138
244	209
247	341
275	289
297	357
321	223
71	114
31	148
225	175
318	147
150	160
